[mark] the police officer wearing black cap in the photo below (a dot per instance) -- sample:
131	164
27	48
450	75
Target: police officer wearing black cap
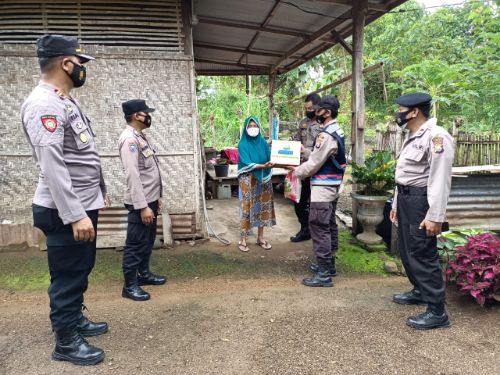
423	178
69	194
142	199
325	166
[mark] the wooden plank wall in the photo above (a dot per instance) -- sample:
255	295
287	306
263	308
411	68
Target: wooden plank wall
146	24
470	149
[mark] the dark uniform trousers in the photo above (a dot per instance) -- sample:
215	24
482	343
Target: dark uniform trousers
70	263
302	208
324	229
140	240
418	252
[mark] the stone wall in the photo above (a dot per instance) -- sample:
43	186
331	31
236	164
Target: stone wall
164	80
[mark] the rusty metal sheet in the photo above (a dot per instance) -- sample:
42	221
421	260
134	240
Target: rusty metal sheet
474	202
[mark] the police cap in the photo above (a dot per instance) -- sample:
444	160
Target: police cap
416	99
329	102
60	45
135	105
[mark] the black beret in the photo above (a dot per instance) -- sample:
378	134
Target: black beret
329	102
60	45
136	105
416	99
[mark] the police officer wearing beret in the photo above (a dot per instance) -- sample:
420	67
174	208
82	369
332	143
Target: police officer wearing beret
142	199
69	194
423	178
325	166
306	135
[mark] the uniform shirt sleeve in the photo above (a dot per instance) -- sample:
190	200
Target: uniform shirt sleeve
395	199
102	183
298	134
44	126
306	154
439	184
129	153
325	147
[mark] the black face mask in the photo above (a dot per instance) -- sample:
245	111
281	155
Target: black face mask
401	119
147	121
310	114
78	75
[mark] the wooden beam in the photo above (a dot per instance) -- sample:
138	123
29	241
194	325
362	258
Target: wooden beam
236	49
372	5
342	41
318	34
268	18
371	68
272	88
359	10
235	64
230	72
251	26
358	95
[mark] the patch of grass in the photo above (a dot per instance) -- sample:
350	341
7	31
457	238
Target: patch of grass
28	270
352	257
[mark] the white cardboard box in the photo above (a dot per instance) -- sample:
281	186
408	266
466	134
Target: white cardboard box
285	152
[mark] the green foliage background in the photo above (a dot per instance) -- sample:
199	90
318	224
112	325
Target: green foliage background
452	53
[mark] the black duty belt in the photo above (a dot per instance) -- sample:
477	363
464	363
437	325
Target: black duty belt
412	190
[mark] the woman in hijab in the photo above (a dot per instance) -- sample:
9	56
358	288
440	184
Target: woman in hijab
256	189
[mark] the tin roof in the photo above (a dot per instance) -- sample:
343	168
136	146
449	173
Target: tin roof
238	37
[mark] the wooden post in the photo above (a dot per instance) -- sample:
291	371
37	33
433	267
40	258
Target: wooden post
359	9
272	86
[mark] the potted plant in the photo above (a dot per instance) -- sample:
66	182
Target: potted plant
374	180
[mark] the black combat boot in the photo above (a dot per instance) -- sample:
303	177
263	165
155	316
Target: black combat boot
72	347
87	328
132	290
146	277
302	235
331	268
321	278
434	317
413	297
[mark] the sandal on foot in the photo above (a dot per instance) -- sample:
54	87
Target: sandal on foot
242	247
264	244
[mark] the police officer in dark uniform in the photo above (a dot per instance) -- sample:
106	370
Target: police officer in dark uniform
325	166
423	178
306	135
69	194
142	198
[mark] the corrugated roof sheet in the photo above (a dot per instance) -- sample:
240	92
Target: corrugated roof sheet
251	37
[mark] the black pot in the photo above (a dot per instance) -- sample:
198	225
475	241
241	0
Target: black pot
221	170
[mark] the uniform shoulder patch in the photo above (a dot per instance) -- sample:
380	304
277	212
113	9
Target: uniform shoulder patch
132	147
49	122
319	140
437	144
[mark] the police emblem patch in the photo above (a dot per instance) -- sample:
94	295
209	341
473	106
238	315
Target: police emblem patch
437	145
319	140
132	147
49	122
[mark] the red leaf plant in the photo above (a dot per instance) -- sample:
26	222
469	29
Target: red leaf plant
476	268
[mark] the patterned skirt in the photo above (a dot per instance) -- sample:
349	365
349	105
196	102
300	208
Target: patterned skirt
256	204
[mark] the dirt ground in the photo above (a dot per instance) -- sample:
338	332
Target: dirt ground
266	325
262	322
